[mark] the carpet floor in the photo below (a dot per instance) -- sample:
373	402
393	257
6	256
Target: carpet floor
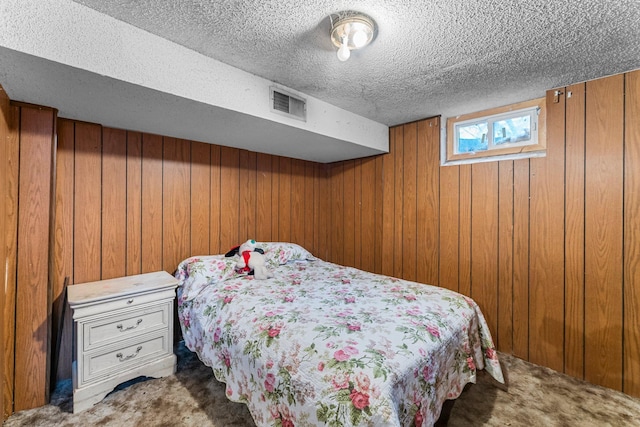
536	396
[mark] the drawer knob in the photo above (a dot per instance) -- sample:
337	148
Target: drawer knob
122	328
130	300
131	356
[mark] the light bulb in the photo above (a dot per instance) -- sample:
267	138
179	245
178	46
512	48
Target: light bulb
359	38
344	53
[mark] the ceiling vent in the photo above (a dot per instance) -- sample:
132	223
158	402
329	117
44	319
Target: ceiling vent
288	104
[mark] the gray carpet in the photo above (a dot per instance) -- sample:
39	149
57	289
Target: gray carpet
536	396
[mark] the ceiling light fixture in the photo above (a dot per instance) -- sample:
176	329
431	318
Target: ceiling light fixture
351	30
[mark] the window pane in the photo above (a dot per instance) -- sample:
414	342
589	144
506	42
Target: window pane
472	138
516	129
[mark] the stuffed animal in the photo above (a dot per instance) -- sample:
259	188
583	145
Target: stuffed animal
251	260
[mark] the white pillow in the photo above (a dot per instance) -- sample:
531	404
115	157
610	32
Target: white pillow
279	253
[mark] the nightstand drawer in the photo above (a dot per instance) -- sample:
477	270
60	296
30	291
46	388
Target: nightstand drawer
126	325
130	354
122	303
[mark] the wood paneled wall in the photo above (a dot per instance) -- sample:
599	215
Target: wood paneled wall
129	203
549	247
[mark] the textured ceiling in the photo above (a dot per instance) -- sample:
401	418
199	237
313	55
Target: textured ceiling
440	57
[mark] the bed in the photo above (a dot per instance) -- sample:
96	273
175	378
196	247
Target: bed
324	344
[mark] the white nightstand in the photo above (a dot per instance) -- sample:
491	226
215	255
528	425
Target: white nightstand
123	329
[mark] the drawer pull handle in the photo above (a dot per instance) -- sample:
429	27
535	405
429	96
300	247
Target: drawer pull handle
131	356
130	300
122	329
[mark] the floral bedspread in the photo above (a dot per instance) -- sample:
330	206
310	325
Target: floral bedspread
324	344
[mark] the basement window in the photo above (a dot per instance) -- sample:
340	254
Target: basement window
513	131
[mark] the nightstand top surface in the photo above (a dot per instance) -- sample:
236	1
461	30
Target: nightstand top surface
82	293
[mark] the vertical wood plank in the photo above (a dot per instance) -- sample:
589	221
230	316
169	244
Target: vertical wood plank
297	201
229	198
263	198
309	206
336	178
284	200
521	172
134	203
409	203
574	232
379	185
63	230
32	302
484	240
247	214
631	374
546	258
200	198
428	201
464	266
388	208
398	158
349	213
152	208
504	334
603	231
368	215
215	246
6	229
322	216
176	214
275	198
87	203
12	150
357	220
114	203
449	227
319	214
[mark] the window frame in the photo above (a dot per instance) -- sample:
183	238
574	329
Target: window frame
489	116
